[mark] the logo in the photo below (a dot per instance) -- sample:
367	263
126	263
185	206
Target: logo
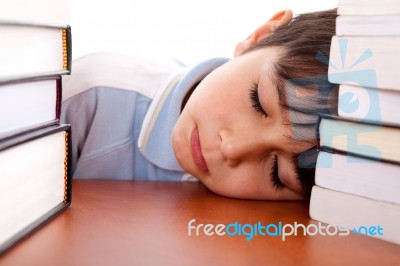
249	231
308	97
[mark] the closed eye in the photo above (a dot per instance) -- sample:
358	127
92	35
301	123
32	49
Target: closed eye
278	185
255	100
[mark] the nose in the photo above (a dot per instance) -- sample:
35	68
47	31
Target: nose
242	146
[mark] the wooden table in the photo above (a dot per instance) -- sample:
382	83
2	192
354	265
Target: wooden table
146	223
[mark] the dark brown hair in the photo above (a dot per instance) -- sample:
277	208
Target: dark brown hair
303	66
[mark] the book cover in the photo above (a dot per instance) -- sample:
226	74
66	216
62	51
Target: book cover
373	25
368	7
358	102
35	181
358	176
358	214
33	103
370	61
33	51
39	12
362	138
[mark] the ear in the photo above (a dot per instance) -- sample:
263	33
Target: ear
280	18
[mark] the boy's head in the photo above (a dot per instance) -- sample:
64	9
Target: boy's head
244	126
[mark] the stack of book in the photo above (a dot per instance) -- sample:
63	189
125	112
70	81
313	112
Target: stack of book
35	180
358	172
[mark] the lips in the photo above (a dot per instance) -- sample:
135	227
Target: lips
196	151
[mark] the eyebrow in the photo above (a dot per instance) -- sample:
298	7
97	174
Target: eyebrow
304	175
279	90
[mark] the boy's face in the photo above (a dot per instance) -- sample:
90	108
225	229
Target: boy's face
225	140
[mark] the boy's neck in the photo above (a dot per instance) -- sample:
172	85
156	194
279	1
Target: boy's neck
188	94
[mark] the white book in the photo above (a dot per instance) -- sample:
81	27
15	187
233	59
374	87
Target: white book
27	51
356	213
359	102
358	176
42	12
35	181
360	138
378	25
368	7
33	103
370	61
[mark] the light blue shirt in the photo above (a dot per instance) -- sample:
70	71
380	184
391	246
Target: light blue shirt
122	121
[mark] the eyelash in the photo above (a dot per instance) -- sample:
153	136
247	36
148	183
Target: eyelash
255	100
274	175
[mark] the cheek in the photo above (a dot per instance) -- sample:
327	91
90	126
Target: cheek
207	100
217	93
236	184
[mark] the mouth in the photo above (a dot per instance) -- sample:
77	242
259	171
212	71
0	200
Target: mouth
195	146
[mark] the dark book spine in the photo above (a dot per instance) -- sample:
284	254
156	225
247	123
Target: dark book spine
67	48
59	98
67	165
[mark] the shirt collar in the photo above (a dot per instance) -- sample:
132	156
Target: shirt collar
156	133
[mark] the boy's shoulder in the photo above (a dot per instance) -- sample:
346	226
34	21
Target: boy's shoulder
144	75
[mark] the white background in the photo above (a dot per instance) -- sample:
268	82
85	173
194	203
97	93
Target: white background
191	30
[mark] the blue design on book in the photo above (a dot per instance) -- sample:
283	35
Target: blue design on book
348	102
358	77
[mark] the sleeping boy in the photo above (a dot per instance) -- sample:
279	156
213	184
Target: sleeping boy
236	125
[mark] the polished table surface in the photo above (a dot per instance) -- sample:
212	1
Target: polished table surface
146	223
